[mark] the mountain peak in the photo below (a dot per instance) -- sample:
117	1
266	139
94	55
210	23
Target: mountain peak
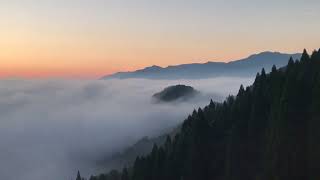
244	67
150	69
266	53
153	67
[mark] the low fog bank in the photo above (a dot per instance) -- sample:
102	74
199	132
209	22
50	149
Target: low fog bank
51	128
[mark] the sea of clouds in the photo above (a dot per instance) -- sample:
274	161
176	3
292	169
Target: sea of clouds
49	129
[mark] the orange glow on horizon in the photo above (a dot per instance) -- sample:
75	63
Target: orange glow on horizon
83	69
89	39
52	73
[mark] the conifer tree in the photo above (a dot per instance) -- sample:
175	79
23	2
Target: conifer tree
268	131
78	176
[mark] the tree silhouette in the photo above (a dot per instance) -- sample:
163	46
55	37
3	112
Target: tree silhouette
268	131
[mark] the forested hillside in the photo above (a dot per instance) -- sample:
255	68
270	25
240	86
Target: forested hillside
268	131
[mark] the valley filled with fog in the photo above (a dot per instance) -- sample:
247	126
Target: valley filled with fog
49	129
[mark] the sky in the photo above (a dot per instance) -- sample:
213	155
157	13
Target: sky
91	38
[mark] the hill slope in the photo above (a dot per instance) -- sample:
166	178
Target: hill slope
140	148
174	93
244	67
269	130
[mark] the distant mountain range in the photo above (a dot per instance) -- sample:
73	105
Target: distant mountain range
244	67
269	130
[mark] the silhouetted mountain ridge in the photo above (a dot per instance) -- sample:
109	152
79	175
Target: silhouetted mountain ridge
269	130
243	67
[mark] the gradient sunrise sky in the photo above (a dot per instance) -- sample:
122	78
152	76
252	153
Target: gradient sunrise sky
91	38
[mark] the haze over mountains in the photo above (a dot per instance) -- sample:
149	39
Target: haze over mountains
244	67
269	130
52	128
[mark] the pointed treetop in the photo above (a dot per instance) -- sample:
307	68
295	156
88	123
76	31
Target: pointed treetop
78	176
211	102
263	72
257	78
291	61
314	54
200	113
241	90
305	56
194	113
291	58
274	68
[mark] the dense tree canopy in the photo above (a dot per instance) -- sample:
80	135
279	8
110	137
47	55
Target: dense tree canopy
268	131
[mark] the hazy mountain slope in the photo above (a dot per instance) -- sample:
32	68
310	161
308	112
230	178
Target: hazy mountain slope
244	67
140	148
269	130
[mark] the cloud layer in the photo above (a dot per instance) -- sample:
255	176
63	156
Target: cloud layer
51	128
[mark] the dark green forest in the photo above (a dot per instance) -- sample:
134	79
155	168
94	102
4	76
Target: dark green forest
268	131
